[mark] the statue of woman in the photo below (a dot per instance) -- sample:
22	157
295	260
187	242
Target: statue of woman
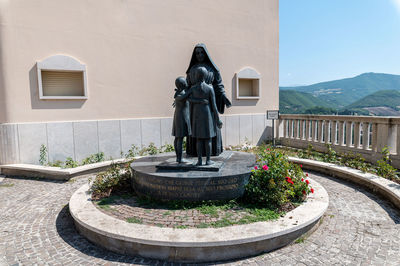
201	58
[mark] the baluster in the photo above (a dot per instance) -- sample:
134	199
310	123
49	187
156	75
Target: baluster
357	134
307	129
313	130
398	139
374	136
285	134
295	125
333	132
365	130
326	131
348	133
301	129
290	128
320	130
341	139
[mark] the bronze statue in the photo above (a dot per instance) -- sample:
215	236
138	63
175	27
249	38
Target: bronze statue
204	114
181	124
201	58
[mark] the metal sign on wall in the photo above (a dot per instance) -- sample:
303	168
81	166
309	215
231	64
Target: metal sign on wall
272	114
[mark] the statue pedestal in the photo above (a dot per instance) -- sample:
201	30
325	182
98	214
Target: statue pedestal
160	177
190	165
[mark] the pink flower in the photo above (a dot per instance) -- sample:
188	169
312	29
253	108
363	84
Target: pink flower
301	166
255	167
265	167
268	149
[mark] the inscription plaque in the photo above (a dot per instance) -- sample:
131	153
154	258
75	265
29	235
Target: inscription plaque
228	183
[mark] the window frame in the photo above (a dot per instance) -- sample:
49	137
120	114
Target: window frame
61	63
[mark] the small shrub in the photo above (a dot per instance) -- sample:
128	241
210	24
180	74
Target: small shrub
132	152
384	167
57	163
355	161
149	150
94	158
275	181
116	176
70	163
331	155
43	155
167	148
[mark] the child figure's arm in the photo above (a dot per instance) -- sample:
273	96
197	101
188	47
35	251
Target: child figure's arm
214	108
182	95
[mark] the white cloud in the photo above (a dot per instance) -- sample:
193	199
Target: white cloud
396	4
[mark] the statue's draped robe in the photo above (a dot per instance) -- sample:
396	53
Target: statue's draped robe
214	79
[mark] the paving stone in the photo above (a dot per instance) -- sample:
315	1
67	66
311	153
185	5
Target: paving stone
358	228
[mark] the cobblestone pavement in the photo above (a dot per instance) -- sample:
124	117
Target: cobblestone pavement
161	215
36	229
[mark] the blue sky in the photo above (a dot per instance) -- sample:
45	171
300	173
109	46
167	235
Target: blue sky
322	40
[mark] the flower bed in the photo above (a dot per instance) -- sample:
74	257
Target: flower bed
275	184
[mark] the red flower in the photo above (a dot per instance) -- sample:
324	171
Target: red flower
289	180
302	180
255	167
306	174
265	167
312	190
304	192
301	166
308	182
268	149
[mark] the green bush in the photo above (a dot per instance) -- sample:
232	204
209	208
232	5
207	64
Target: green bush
330	156
94	158
149	150
384	167
57	163
70	163
355	161
132	152
116	176
167	148
275	181
43	155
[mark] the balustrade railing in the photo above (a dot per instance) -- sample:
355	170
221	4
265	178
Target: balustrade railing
366	135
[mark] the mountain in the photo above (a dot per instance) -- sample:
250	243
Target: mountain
343	92
294	102
388	98
385	102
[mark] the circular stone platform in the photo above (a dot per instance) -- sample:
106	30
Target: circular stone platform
195	245
222	181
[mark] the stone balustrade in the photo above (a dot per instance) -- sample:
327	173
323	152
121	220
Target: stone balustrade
365	135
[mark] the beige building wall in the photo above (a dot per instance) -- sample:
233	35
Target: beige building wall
133	51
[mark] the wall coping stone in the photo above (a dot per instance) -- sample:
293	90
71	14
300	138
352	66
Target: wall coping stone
200	245
56	173
388	189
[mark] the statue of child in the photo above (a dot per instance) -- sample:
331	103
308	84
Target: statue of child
181	124
205	117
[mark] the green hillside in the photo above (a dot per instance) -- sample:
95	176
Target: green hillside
294	102
388	98
343	92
